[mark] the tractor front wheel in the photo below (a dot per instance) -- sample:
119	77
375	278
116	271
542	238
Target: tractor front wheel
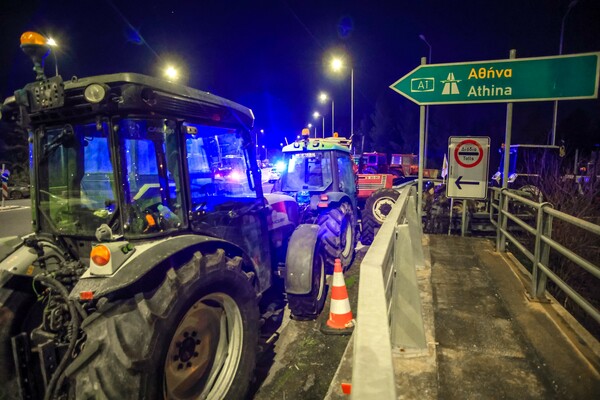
310	305
338	235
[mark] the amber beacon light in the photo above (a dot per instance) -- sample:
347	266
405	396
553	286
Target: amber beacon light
34	38
36	47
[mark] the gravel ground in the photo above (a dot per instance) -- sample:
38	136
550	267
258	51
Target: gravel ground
302	361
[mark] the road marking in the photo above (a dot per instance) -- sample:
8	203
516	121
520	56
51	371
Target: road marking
13	208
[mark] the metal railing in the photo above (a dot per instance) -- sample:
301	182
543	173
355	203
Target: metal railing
389	308
500	203
388	299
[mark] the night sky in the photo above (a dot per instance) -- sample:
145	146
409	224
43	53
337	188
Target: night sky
272	56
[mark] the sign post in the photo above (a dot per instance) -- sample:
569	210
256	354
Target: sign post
563	77
469	161
4	174
567	77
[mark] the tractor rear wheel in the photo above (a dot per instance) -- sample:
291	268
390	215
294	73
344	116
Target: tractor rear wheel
377	207
194	337
338	235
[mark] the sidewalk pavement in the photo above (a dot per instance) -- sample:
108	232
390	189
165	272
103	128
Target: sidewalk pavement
486	340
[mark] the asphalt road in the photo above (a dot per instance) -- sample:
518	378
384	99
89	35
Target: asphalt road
15	218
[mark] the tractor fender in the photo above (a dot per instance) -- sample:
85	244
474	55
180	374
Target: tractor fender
19	259
299	259
9	245
147	268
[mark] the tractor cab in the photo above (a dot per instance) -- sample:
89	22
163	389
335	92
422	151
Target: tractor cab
315	167
320	175
526	162
130	157
374	163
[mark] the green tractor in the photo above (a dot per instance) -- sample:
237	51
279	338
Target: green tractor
319	174
148	269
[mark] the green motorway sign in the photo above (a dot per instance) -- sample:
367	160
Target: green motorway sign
565	77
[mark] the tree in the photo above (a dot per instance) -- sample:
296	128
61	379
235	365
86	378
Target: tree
394	130
578	196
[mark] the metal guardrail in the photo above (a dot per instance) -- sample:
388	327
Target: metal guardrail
540	258
388	299
389	309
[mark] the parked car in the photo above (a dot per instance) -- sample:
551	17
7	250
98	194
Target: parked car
274	175
18	191
231	168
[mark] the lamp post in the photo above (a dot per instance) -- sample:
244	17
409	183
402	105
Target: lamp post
262	131
422	37
309	126
560	50
316	115
51	42
323	98
336	65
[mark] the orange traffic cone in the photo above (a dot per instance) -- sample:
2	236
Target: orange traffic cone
340	320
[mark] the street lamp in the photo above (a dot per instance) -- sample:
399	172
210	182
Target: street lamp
560	50
336	65
323	97
310	126
316	115
422	37
171	73
262	132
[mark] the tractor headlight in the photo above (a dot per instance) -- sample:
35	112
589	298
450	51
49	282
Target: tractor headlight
94	93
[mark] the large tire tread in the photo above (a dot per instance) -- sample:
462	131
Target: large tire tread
14	308
368	226
308	307
331	231
130	361
369	222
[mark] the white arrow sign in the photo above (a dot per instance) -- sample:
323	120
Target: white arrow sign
469	159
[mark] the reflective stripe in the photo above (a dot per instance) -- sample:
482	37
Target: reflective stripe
340	308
